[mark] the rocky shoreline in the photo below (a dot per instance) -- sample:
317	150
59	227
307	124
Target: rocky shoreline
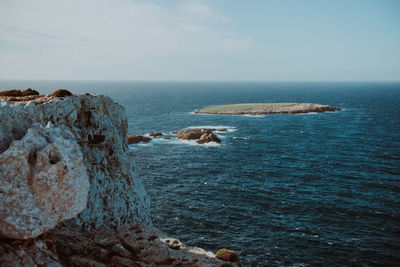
69	191
266	108
202	135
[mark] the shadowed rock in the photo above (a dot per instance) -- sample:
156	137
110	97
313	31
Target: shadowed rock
134	139
155	134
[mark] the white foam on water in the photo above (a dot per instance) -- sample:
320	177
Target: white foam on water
192	143
308	113
253	116
241	138
229	129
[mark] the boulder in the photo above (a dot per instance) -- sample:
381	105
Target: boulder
228	255
134	139
43	181
207	138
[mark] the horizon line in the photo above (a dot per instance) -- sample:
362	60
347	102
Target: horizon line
239	81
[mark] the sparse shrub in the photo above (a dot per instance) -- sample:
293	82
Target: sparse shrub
29	91
13	92
61	93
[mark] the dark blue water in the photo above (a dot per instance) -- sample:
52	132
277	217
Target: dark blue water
291	190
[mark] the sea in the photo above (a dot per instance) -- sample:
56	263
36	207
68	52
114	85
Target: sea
311	189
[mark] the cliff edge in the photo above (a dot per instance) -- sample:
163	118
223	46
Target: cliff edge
69	192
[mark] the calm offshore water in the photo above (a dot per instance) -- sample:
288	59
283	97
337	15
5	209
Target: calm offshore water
291	190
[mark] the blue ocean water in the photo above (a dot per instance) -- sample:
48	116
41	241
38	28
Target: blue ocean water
281	190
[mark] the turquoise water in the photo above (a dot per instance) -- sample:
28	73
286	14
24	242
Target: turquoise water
291	190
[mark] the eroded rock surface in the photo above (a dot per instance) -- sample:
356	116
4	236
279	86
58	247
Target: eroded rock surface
43	181
99	126
129	245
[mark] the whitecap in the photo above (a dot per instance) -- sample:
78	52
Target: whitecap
253	116
241	138
229	129
193	143
308	113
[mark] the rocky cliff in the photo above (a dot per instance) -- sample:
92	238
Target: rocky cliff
69	193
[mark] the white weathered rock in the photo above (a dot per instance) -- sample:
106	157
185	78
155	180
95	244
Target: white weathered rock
99	126
43	182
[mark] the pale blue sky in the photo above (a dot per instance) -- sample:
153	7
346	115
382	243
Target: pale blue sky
258	40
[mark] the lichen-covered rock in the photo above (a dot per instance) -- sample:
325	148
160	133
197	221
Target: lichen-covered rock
99	126
43	181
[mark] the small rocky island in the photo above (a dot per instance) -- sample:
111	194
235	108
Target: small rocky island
266	108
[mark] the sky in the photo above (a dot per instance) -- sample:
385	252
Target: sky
200	40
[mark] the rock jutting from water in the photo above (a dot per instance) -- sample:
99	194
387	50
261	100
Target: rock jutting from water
205	135
69	191
134	139
266	108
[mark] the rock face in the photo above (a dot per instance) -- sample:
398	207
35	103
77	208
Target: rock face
266	108
134	139
99	126
43	182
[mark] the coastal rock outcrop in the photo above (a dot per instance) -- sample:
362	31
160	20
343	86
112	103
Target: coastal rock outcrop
67	157
99	126
43	182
